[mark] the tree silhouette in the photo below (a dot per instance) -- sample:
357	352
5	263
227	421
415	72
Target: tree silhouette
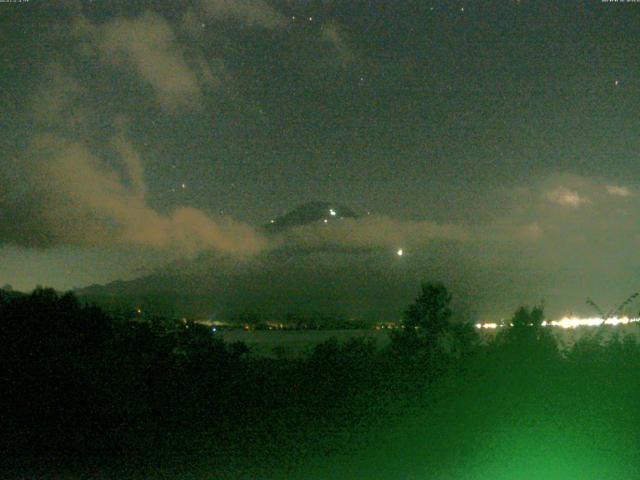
431	312
526	336
426	328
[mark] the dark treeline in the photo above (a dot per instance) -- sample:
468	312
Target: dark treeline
86	392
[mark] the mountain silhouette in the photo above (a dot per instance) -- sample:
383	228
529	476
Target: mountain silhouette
322	278
308	213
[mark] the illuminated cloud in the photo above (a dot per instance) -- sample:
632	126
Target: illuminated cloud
618	191
566	197
75	198
149	45
374	232
78	185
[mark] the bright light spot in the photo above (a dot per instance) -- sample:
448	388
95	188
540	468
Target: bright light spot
400	252
311	19
184	185
573	322
332	212
325	220
617	82
272	221
490	326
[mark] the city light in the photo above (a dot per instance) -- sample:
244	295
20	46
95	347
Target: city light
574	322
487	326
570	322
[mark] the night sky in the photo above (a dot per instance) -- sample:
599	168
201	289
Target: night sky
496	142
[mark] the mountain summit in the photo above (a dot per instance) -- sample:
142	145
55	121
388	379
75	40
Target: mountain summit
308	213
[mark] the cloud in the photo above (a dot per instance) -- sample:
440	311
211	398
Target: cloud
618	191
71	197
132	162
149	45
606	231
253	13
372	232
531	231
566	197
528	232
78	185
332	34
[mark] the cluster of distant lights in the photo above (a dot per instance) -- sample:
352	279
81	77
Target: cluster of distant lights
332	212
568	323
